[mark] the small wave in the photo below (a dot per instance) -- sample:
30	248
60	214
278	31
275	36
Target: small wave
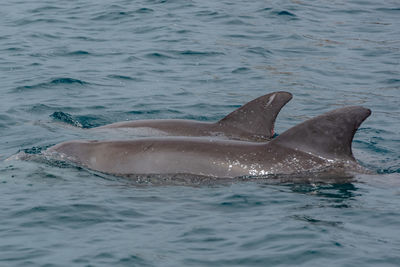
157	55
89	121
207	13
259	51
314	221
112	15
198	53
389	170
78	53
183	31
25	21
352	11
131	58
66	118
44	9
14	49
39	108
237	22
122	77
373	146
183	93
239	36
241	70
82	121
134	260
49	84
392	81
5	117
158	1
389	10
240	201
86	38
147	29
25	87
264	9
5	121
67	81
42	36
284	13
144	10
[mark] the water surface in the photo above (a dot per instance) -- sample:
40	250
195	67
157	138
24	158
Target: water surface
88	63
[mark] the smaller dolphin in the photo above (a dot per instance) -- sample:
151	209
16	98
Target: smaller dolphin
254	121
318	143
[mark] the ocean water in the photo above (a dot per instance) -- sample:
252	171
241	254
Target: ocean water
88	63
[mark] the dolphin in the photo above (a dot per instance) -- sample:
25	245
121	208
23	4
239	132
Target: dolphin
254	121
314	145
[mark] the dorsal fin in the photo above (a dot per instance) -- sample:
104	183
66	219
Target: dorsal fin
329	135
258	116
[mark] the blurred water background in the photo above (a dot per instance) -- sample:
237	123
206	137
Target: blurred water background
89	63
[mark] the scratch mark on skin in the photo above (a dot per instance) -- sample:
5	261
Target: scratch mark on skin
146	148
270	100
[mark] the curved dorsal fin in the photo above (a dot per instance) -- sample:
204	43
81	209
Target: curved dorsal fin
258	116
329	135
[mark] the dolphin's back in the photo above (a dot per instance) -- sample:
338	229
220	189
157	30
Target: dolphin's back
254	121
312	145
166	155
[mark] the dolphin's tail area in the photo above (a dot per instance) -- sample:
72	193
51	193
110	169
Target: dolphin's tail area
329	135
258	116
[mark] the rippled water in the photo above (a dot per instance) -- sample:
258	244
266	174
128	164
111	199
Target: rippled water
97	62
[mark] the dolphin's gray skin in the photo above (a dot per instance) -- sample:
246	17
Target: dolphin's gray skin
318	143
253	121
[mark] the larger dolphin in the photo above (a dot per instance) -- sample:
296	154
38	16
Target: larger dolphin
317	143
254	121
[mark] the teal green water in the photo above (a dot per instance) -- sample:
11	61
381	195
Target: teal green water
90	63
